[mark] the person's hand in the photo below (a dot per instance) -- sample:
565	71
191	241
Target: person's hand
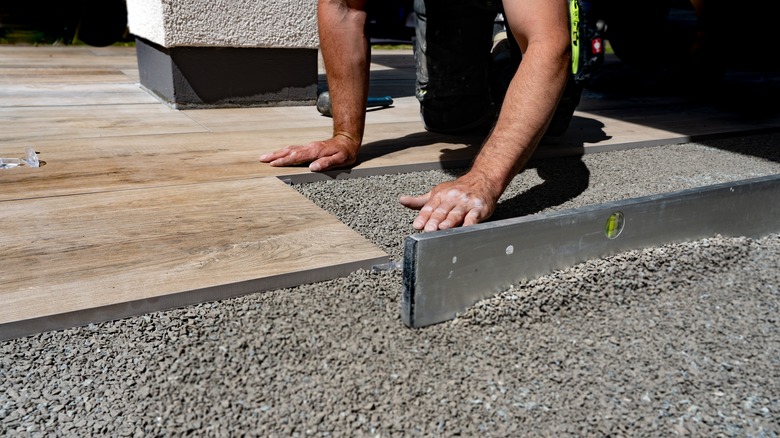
465	201
339	151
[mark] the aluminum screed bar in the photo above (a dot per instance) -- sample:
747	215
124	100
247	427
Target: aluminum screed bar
446	272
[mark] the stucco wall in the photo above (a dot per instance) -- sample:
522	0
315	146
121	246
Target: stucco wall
145	19
225	23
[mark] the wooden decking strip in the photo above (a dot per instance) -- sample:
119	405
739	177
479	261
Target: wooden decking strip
141	207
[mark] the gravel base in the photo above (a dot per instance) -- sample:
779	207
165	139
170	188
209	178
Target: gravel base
679	339
371	207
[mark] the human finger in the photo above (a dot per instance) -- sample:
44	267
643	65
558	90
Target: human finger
415	202
474	216
299	155
338	159
288	156
418	203
441	214
275	155
454	218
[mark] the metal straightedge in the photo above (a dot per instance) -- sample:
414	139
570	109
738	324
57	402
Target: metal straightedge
446	272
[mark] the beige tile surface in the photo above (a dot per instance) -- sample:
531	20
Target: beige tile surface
74	253
141	207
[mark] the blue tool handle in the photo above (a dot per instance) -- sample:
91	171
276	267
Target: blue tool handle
379	101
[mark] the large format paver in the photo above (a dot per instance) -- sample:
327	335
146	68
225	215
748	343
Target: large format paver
139	203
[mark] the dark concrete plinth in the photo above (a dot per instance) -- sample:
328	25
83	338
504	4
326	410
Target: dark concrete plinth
213	77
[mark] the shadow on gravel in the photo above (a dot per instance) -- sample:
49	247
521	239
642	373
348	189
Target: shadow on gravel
581	130
764	145
564	179
565	176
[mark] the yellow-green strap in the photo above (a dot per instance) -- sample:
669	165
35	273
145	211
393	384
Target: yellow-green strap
574	18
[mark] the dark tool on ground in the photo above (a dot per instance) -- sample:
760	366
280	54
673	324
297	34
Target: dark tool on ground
324	106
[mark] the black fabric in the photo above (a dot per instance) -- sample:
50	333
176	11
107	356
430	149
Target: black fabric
452	51
460	84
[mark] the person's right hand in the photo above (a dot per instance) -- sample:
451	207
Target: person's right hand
468	200
339	151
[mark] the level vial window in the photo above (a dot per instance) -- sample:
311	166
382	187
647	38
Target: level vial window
614	225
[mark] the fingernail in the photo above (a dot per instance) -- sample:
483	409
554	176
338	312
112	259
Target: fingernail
264	157
315	167
418	224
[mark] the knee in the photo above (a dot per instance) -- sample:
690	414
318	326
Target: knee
458	115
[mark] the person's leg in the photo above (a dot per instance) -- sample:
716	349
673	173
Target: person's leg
452	52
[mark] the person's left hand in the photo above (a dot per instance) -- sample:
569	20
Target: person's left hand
339	151
465	201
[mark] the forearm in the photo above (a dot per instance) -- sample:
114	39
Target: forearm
346	52
528	106
541	29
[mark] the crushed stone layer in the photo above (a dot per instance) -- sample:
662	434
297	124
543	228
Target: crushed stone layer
674	340
370	205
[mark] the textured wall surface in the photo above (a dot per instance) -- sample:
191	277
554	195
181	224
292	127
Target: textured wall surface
225	23
145	19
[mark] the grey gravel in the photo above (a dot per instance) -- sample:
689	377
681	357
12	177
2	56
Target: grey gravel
674	340
370	205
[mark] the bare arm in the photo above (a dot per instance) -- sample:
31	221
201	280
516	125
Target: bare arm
541	28
345	50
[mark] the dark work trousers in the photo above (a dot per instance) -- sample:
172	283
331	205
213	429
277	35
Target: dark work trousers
460	84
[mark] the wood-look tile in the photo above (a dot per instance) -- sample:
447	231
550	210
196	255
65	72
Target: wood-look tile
86	165
80	165
71	75
28	124
75	253
404	109
73	94
142	207
64	56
